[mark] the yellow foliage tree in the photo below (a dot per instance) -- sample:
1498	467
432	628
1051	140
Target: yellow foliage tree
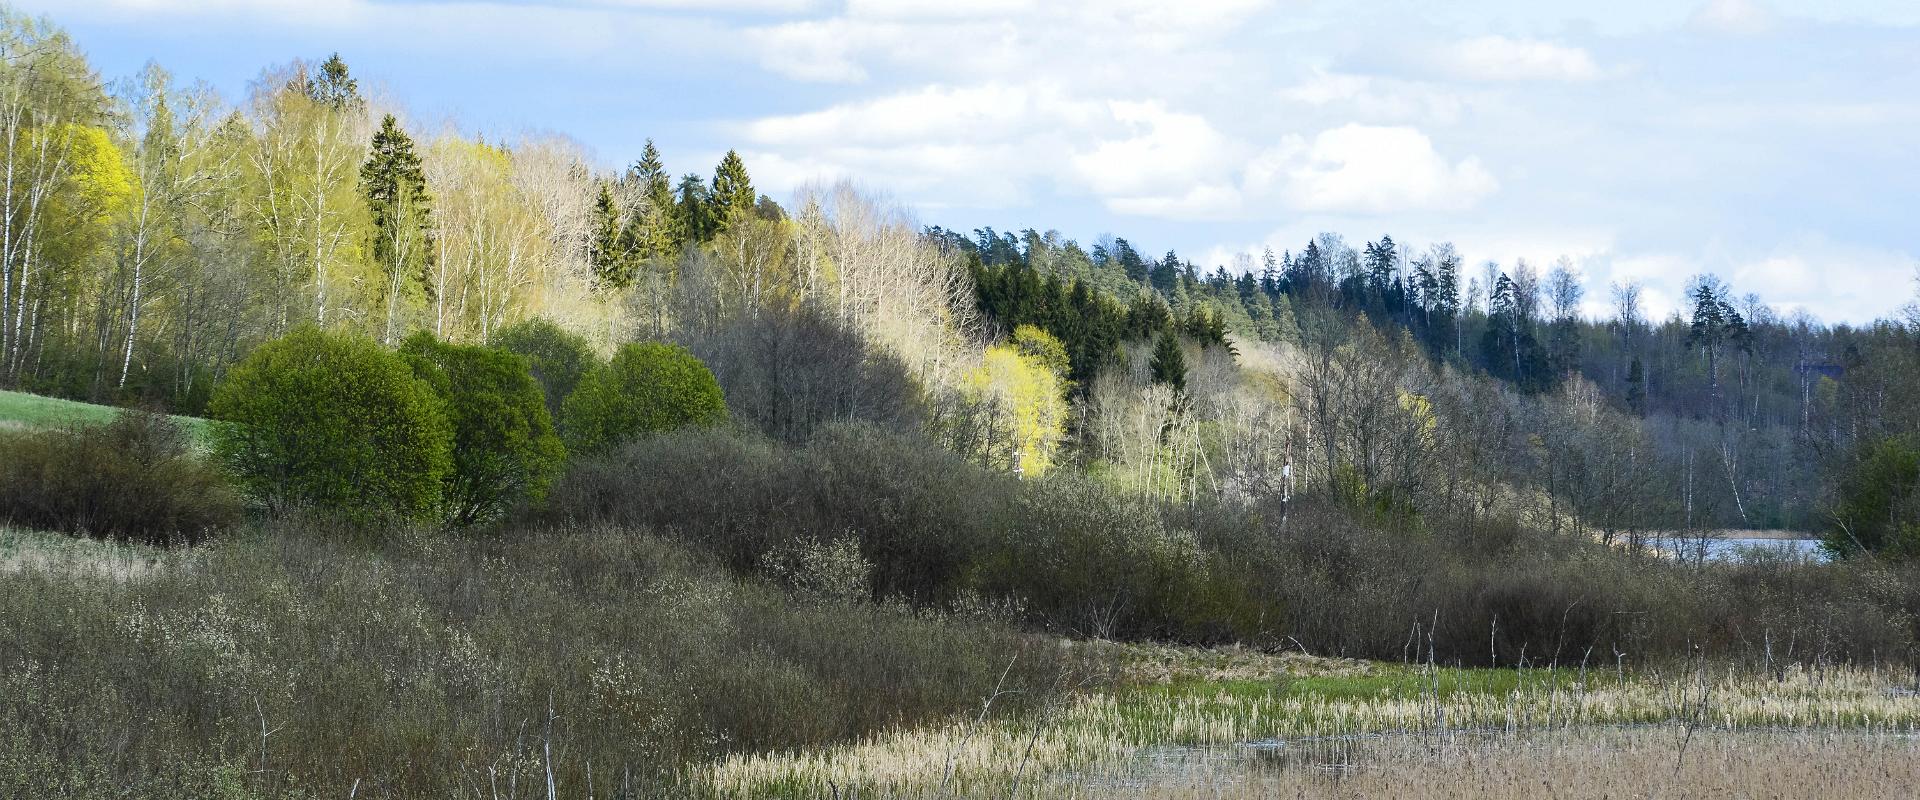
1023	397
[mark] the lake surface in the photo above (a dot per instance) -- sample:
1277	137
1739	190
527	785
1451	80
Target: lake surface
1732	548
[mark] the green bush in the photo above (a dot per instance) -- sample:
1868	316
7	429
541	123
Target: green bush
333	421
504	448
558	358
1879	506
645	388
135	478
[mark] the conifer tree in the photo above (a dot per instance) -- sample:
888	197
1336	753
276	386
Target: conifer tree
402	212
334	87
1169	364
652	230
1637	389
610	251
694	210
732	189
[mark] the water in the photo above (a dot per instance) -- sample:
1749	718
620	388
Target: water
1733	548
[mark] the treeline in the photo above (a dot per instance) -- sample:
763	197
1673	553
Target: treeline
1748	412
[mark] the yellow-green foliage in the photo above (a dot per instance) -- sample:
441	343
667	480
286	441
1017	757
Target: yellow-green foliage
97	187
335	421
646	388
1024	396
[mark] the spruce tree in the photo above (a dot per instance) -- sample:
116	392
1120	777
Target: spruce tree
333	87
402	209
609	251
653	227
1169	364
1637	389
732	189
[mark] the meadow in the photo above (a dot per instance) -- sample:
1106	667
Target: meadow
22	411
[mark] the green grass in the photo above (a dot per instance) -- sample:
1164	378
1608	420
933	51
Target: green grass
19	409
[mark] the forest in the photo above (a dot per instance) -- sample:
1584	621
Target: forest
462	465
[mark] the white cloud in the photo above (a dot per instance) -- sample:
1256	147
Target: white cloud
1498	58
1160	150
1733	18
1371	170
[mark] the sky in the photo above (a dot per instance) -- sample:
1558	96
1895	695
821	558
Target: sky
1771	143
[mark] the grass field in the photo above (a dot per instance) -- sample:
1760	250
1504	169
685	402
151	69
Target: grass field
22	410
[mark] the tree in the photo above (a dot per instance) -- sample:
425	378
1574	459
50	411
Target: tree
1636	389
1878	508
732	189
402	212
505	452
611	252
646	388
1169	364
1027	403
1716	325
332	86
556	357
332	421
695	221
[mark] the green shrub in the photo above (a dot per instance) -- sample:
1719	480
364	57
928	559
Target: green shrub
645	388
1878	508
135	478
333	421
504	448
557	357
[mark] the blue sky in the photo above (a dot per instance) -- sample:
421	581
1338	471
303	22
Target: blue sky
1772	143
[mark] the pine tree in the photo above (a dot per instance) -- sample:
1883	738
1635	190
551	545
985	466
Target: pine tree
1716	326
695	211
1169	364
396	192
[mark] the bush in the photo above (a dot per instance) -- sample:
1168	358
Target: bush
790	373
1878	508
922	516
134	479
646	388
414	668
333	421
504	448
557	357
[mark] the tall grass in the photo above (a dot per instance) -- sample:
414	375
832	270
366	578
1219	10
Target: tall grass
1303	702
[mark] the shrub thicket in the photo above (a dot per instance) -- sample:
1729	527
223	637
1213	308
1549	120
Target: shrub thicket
934	528
135	478
333	421
504	449
1084	559
646	388
557	357
435	664
791	372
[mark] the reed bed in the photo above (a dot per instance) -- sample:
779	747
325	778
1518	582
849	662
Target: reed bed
1090	733
1663	763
